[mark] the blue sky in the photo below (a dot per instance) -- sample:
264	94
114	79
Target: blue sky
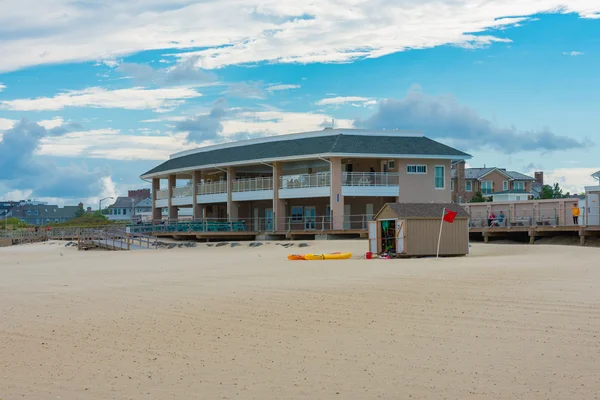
94	94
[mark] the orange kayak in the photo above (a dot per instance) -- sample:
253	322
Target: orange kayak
296	257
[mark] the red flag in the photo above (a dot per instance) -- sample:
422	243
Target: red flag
449	216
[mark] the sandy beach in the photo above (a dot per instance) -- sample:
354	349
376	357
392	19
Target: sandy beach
507	322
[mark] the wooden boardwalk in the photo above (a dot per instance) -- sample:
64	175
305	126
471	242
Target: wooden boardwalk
536	231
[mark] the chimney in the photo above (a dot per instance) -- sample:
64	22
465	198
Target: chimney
539	177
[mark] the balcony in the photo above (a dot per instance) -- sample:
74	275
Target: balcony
252	189
304	185
162	198
385	184
212	192
182	195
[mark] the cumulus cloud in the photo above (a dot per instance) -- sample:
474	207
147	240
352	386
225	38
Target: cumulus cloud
183	72
572	53
21	169
137	98
205	126
2	86
444	117
229	32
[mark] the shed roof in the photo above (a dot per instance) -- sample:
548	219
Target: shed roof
424	210
329	142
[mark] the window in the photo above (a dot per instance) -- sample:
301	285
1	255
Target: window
452	185
487	187
519	186
35	212
28	212
439	180
56	220
124	211
469	186
416	169
297	214
505	185
391	164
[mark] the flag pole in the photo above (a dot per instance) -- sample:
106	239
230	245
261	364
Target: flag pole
440	237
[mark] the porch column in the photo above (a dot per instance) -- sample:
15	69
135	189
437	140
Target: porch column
197	208
156	212
173	210
232	207
278	204
336	199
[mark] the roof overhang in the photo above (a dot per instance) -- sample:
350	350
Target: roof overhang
300	158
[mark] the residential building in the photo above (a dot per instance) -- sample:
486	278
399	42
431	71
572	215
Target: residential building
592	202
338	176
139	194
44	214
122	209
498	183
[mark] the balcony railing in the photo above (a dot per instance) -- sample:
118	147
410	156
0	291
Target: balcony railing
320	179
162	194
183	191
212	188
252	184
370	179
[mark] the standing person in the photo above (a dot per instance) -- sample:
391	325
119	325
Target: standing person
575	212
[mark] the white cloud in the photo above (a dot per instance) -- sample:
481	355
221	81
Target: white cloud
6	123
2	86
353	100
276	88
572	180
572	53
246	31
137	98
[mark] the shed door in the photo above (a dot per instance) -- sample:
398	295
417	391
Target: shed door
400	238
373	237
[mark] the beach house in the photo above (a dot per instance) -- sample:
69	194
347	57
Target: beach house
497	183
337	177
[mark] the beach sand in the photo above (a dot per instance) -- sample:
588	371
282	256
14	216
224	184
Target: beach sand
506	322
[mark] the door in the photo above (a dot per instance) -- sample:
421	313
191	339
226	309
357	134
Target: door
400	239
256	220
347	218
384	166
593	204
349	169
373	237
310	218
269	219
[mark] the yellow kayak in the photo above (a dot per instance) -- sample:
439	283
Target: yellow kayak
332	256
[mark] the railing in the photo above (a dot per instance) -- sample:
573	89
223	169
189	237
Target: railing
523	217
183	191
212	188
252	184
162	194
320	179
370	179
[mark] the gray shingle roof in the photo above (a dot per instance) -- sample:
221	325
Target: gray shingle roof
146	203
123	202
426	210
341	143
45	211
476	173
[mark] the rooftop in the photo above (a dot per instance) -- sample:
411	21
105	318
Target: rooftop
476	173
325	143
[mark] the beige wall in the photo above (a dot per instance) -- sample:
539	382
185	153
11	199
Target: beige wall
422	237
419	188
336	199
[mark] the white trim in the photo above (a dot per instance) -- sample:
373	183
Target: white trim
443	176
416	169
471	182
505	186
298	158
296	136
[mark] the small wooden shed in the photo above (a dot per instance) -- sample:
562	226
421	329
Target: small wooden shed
413	229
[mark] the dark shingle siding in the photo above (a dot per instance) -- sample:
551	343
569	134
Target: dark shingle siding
426	210
342	143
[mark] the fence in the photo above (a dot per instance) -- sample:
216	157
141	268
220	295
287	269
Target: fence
320	179
254	225
531	213
252	184
212	188
370	179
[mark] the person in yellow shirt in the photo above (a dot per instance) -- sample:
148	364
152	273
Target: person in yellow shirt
575	212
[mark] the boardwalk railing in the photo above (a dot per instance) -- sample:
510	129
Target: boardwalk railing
509	217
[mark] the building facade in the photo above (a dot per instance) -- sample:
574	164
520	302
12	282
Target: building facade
498	183
302	181
40	215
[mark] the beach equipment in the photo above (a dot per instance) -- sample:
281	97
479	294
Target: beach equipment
329	256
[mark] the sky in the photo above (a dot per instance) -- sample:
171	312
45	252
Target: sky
94	93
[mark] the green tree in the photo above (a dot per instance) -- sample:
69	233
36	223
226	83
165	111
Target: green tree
478	198
553	192
547	192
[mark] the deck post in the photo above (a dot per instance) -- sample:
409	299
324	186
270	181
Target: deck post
156	212
197	208
531	236
336	199
278	223
486	236
173	210
581	236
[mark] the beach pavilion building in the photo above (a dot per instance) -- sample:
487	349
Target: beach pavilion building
334	179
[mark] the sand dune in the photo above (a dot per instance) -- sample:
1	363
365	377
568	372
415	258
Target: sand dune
507	322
